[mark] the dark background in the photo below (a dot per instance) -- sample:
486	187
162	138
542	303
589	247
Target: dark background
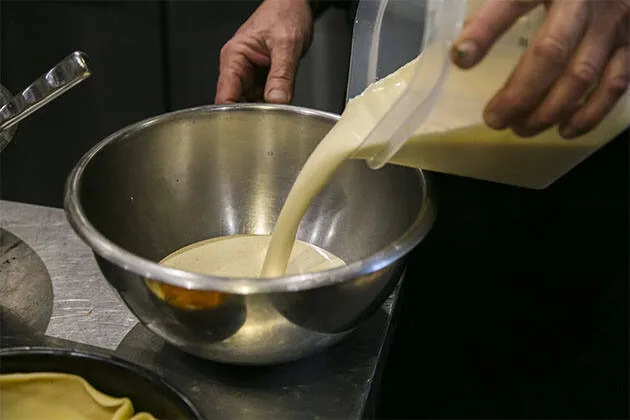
516	305
146	57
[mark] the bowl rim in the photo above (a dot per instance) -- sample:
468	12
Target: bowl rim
152	270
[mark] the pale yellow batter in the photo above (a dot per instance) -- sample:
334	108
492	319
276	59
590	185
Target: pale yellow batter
454	139
233	256
58	396
243	255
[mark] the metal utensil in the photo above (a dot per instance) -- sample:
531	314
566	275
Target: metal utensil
69	72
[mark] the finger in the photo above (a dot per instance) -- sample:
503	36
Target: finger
230	84
542	63
487	25
580	77
236	66
614	84
229	88
285	57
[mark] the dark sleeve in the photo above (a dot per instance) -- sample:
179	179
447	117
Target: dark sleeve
320	6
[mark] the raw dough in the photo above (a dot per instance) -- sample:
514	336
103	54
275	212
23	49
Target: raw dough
52	396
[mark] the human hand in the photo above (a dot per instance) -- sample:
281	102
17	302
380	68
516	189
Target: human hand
260	62
573	72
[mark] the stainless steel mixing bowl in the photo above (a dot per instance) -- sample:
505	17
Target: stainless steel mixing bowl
169	181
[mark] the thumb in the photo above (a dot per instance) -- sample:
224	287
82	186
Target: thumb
486	25
285	58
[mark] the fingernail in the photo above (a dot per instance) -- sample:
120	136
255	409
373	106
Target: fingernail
277	96
568	132
494	120
466	53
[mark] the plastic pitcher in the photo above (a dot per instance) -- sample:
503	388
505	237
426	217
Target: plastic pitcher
435	121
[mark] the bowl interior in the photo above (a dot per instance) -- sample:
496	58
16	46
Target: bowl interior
197	174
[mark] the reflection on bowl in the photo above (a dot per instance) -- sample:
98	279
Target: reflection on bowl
180	178
186	298
214	315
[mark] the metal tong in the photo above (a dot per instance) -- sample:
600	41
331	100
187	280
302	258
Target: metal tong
68	73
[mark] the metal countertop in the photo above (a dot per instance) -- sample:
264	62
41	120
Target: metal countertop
75	307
